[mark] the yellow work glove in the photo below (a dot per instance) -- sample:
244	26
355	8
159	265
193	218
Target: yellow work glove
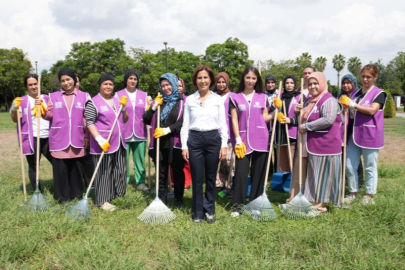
42	110
240	148
103	143
159	132
277	103
158	101
280	117
345	101
16	103
123	101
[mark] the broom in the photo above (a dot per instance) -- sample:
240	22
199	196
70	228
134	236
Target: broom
157	211
81	210
299	206
38	202
21	154
261	208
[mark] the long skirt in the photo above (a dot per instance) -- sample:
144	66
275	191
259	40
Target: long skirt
110	181
324	179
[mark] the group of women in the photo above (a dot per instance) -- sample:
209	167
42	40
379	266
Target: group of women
204	131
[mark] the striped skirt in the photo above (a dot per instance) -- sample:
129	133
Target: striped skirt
110	181
324	179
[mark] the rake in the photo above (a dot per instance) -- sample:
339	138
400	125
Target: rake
38	202
81	210
299	206
157	211
21	154
260	208
342	205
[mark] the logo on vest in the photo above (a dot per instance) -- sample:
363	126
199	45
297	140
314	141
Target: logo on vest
316	109
242	107
367	103
104	108
79	105
25	110
140	101
257	104
58	105
294	101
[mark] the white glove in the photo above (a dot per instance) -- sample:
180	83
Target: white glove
13	107
238	140
351	104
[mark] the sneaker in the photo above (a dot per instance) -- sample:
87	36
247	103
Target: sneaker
142	187
187	188
108	207
197	220
179	204
350	198
235	214
367	200
210	218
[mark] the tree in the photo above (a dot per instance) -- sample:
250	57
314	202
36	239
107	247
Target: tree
320	63
232	57
304	60
354	66
282	69
338	64
14	65
91	60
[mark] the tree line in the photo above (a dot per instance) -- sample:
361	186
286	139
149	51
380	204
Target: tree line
90	60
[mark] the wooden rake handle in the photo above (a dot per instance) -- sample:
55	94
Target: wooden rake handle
288	139
38	131
301	137
21	154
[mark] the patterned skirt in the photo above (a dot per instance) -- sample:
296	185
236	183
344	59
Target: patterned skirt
324	179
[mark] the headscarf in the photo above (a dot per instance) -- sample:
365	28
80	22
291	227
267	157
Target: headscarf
352	80
226	78
183	84
323	89
105	77
68	72
171	99
270	77
292	93
128	73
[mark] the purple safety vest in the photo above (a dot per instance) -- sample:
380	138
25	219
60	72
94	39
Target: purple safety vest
292	130
253	130
229	118
135	125
327	141
27	134
176	137
368	130
66	127
104	121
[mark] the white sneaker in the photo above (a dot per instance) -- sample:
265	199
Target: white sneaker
108	207
350	198
235	214
367	200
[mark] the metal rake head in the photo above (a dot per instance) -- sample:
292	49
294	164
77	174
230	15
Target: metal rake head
37	202
79	211
260	209
157	212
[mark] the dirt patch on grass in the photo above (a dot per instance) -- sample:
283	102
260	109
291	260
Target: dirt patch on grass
393	151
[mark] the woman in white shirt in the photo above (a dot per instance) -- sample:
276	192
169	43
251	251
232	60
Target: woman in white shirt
204	138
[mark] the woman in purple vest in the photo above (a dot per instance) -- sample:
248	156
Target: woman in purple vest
204	138
171	120
250	118
365	134
322	145
100	113
29	126
290	97
67	140
135	128
349	86
222	89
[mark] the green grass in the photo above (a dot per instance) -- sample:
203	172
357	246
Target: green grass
370	237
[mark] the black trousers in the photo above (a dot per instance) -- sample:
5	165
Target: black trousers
177	165
67	180
257	174
203	148
32	160
87	167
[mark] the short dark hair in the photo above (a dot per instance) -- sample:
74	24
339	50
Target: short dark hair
313	68
210	73
31	75
259	83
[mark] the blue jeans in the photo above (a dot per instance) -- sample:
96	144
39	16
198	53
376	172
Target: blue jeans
370	157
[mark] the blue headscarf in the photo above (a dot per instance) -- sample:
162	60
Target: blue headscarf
352	79
170	100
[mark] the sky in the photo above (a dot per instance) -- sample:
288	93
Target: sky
272	29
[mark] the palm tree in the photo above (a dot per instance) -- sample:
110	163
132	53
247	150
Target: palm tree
320	63
304	60
339	62
354	66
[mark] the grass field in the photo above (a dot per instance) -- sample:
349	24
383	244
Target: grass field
371	237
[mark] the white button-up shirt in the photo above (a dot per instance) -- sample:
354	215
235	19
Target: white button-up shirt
204	117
